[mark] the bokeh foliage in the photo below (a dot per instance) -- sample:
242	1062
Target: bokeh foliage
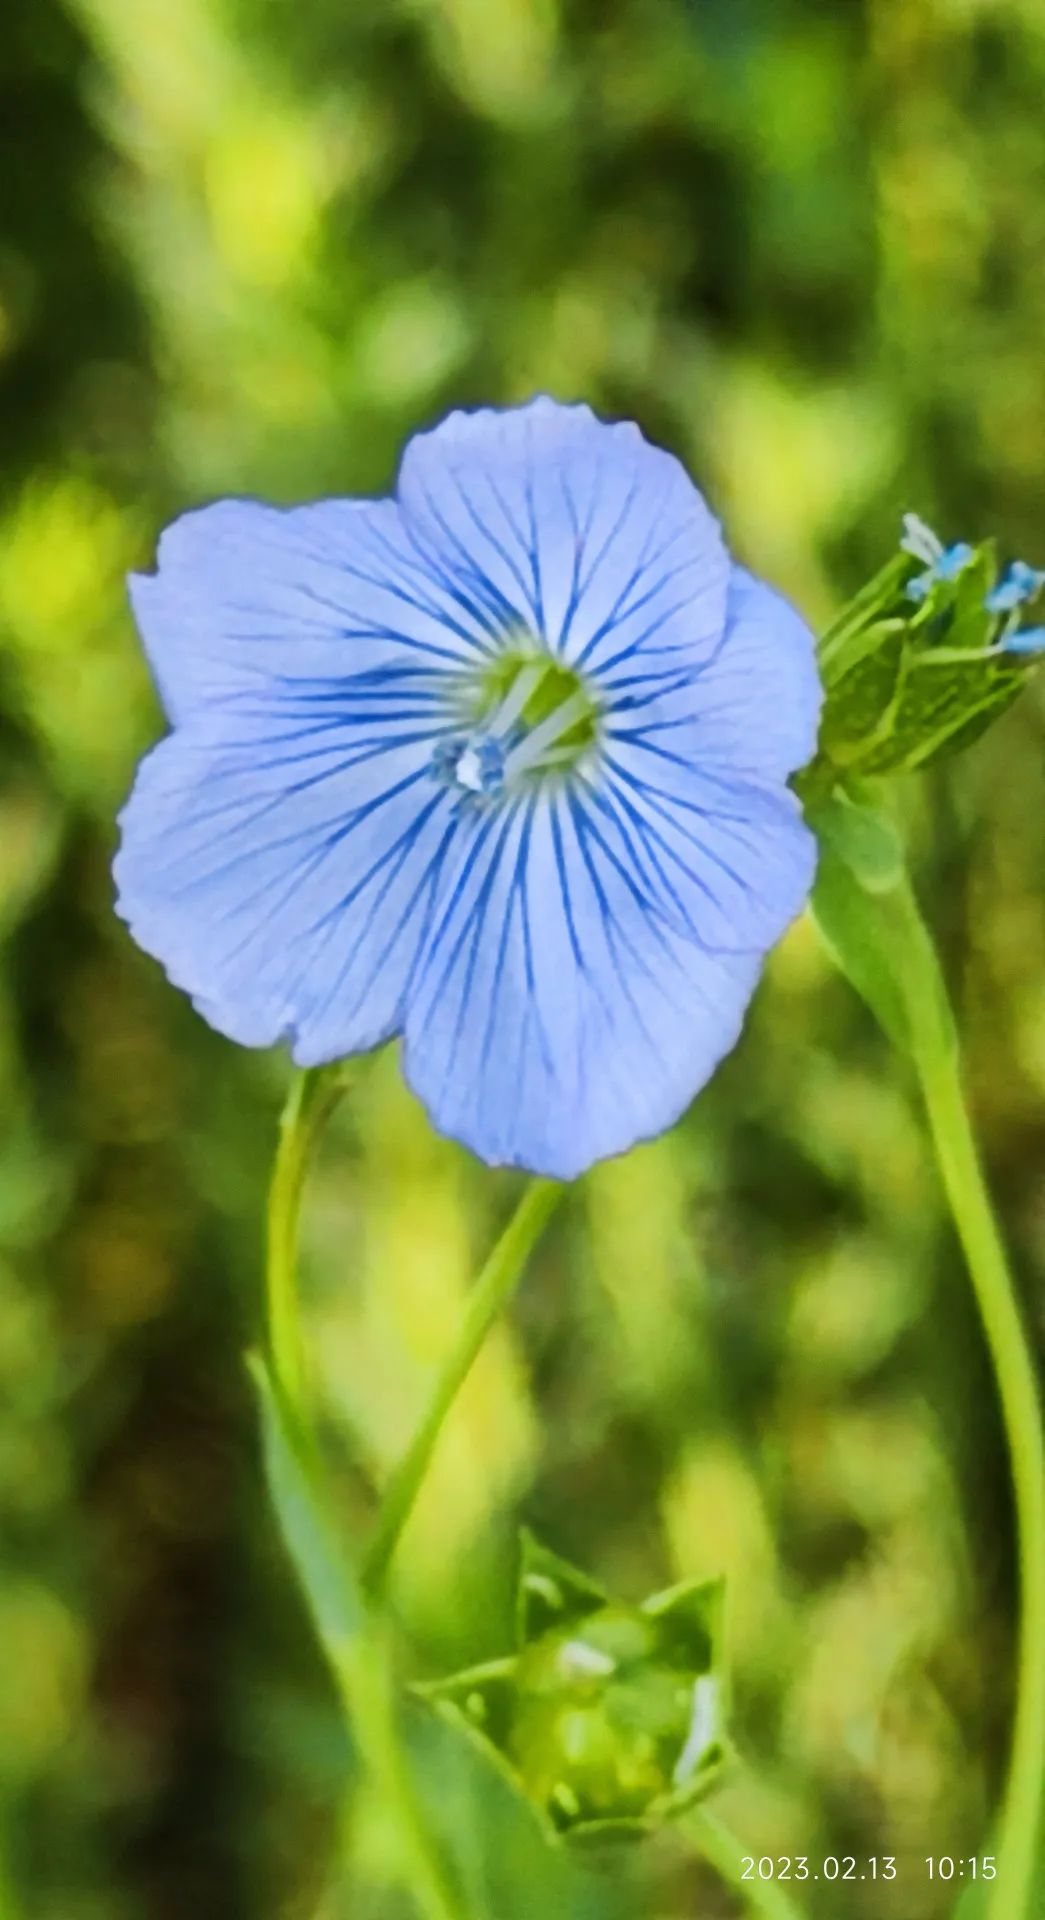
247	248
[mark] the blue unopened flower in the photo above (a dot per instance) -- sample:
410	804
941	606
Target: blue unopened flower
498	765
941	563
1030	640
1021	584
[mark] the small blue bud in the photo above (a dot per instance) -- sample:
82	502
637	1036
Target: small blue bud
941	563
1031	640
1020	584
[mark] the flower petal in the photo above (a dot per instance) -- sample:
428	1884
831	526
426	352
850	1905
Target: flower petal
757	710
282	866
557	1017
727	859
245	595
575	531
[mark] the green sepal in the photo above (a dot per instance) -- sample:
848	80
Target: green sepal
841	645
551	1593
593	1834
948	697
971	625
691	1617
858	704
479	1701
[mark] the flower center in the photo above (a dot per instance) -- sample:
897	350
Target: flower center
527	716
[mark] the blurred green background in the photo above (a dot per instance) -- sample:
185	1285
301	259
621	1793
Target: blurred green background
248	247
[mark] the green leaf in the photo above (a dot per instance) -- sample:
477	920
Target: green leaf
846	914
552	1593
864	839
974	1901
877	936
309	1532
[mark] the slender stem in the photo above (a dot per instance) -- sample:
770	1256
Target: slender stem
937	1061
365	1681
363	1670
769	1898
489	1294
311	1099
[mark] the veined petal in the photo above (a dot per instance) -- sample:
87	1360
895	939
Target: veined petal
757	709
556	1016
285	879
578	532
247	596
730	861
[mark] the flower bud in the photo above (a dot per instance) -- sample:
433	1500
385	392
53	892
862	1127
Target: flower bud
922	660
609	1717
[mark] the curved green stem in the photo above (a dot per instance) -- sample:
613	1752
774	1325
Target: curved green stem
360	1659
491	1290
936	1056
872	923
312	1097
769	1898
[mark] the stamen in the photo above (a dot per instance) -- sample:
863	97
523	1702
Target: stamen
531	750
576	1657
920	541
514	701
531	714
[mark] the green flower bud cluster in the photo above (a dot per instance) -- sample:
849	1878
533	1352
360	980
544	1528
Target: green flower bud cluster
921	662
608	1718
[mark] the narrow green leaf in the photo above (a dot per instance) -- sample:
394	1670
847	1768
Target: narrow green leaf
841	644
851	925
309	1532
861	836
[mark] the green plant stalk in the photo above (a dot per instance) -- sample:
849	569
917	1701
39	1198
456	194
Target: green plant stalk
714	1840
366	1683
311	1098
361	1667
492	1289
870	919
936	1057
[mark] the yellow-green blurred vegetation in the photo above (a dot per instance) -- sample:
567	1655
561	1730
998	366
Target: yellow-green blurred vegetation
247	248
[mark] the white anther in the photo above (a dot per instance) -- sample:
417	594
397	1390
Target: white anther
575	1656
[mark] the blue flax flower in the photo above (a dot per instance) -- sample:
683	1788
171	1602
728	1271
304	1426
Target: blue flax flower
498	765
